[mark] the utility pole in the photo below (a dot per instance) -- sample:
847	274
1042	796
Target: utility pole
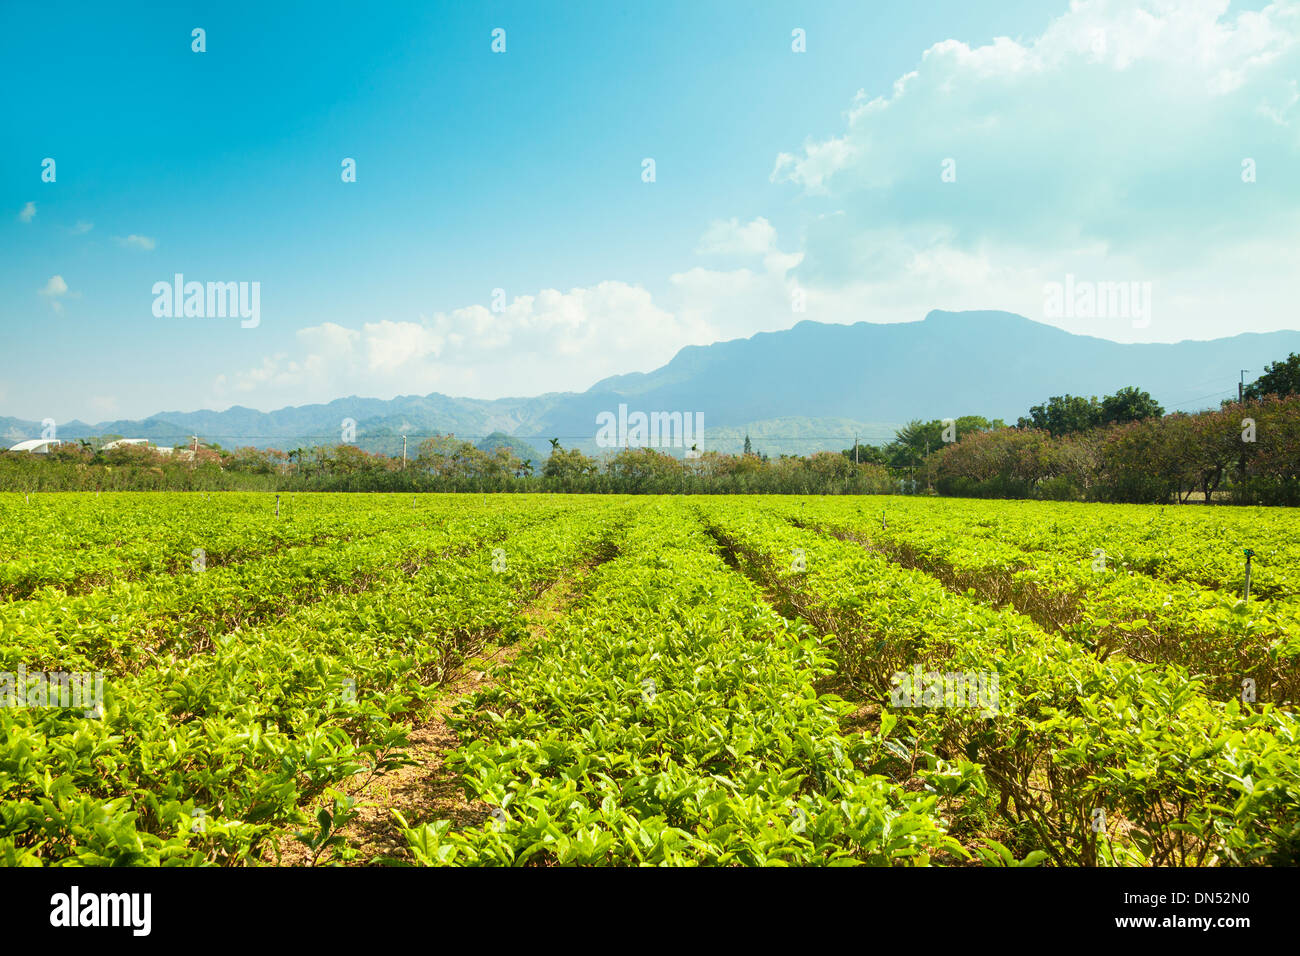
403	453
1241	461
855	449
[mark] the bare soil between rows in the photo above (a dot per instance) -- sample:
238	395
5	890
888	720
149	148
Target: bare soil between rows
426	789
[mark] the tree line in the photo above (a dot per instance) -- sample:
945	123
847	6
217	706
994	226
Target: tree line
1121	447
1124	448
442	464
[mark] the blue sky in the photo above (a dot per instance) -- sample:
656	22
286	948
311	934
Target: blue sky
1105	141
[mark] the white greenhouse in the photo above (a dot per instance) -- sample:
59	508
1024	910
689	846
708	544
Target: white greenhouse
37	446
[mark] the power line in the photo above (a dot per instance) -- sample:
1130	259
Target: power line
1217	378
1226	393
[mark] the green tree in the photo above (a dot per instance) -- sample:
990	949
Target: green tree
866	454
448	456
1279	378
568	464
1064	415
1129	404
916	440
645	468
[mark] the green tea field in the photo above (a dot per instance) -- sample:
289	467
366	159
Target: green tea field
458	680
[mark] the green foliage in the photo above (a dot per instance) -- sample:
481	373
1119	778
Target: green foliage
243	692
1251	449
672	719
1072	414
1095	753
679	710
1129	405
1064	415
1280	378
916	440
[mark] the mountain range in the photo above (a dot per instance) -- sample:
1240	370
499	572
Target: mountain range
811	387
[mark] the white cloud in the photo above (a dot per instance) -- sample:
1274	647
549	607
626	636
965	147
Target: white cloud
545	342
1185	56
1109	146
730	237
82	227
137	242
55	289
28	213
727	304
818	163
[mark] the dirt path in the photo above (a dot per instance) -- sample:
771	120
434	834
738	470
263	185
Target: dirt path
426	789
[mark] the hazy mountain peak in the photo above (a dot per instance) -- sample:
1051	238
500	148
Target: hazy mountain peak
865	375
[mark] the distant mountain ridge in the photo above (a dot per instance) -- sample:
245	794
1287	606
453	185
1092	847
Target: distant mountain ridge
809	387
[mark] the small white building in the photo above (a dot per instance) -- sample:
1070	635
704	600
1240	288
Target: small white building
37	446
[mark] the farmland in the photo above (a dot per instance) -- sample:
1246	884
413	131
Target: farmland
631	680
